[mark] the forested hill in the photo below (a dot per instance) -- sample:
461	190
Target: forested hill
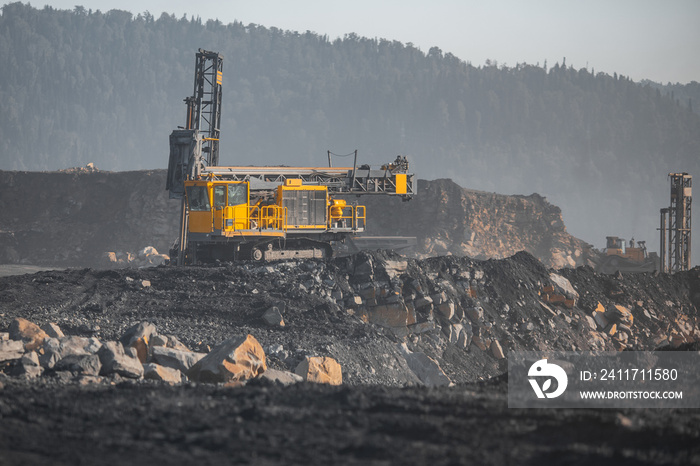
87	86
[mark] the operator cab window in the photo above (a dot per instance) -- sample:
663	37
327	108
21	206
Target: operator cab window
198	199
237	194
220	196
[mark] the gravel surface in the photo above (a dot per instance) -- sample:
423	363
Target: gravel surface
383	413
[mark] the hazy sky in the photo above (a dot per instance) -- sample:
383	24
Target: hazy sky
642	39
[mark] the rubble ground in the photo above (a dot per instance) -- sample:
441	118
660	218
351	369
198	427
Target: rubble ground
422	345
264	423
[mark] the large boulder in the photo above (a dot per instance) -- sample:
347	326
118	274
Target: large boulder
320	369
281	377
54	349
28	366
29	333
175	358
236	359
393	315
273	317
173	342
138	337
115	361
153	371
11	350
52	330
80	364
426	368
563	286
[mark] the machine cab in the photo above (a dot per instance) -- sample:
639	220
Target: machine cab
223	208
217	205
615	246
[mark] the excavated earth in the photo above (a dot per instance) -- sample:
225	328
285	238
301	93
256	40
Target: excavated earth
372	312
422	341
72	218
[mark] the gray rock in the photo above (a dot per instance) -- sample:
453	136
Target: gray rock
138	337
11	350
447	309
459	313
30	359
28	366
140	330
563	286
591	322
427	369
51	353
53	330
55	349
421	327
158	340
174	358
475	314
458	331
273	317
154	371
464	339
600	319
365	268
115	361
496	350
451	332
439	298
283	377
93	345
234	360
174	343
467	332
80	364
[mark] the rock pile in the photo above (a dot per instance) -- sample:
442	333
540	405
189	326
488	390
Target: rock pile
26	350
88	168
386	319
449	219
146	257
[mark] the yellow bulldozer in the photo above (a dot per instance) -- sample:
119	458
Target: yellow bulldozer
619	256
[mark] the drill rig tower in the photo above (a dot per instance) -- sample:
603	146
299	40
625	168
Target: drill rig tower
261	212
675	235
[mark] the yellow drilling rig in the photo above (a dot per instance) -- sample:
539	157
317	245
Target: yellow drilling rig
261	213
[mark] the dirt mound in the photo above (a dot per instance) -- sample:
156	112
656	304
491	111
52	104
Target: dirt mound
373	312
449	219
72	218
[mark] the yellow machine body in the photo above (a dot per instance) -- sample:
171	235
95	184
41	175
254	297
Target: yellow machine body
617	247
224	209
621	257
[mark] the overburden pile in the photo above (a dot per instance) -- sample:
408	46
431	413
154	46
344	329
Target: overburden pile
384	318
367	359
